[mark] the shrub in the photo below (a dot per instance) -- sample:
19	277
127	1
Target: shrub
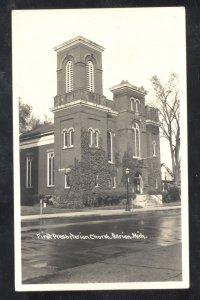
165	197
123	201
90	199
64	201
172	194
93	198
104	198
46	198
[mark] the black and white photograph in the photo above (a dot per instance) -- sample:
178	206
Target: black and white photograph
100	149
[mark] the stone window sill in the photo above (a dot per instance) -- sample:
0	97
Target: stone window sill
68	147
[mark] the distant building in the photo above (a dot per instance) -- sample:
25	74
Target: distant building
167	177
93	139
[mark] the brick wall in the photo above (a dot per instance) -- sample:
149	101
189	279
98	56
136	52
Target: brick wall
79	54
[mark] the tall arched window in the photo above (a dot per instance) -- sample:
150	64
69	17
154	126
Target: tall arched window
29	159
90	76
67	181
69	76
96	181
156	183
109	146
50	169
68	138
137	102
90	130
96	138
65	138
114	182
71	137
154	148
132	104
136	137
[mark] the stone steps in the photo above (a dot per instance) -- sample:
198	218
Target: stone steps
145	200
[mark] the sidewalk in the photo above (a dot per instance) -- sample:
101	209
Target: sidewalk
158	264
98	213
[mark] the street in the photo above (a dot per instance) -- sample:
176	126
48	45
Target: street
99	249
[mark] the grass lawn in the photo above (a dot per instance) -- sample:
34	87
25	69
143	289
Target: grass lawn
35	210
175	203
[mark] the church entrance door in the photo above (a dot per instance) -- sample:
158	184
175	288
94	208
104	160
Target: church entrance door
138	184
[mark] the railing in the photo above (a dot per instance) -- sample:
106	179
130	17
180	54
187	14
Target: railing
152	114
82	95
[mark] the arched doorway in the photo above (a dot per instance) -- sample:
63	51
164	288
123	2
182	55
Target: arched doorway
138	183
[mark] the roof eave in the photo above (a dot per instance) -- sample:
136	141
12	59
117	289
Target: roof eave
130	87
76	40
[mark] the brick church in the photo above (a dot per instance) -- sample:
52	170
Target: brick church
93	139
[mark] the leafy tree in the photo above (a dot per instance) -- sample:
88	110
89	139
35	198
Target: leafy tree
168	104
27	121
47	120
24	115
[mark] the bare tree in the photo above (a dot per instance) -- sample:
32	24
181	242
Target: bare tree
168	104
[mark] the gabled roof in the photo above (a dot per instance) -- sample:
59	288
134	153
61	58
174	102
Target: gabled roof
167	168
41	130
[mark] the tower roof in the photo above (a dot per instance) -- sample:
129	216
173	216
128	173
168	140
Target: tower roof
125	84
79	40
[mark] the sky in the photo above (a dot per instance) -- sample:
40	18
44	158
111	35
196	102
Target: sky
139	43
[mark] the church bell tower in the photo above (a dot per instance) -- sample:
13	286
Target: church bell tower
79	83
79	67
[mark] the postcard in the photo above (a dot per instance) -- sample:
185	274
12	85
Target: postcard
100	149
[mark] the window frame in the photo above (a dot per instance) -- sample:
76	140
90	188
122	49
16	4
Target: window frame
29	159
67	181
96	138
68	138
109	132
69	76
71	137
90	76
50	158
114	182
65	138
154	148
96	181
91	131
136	129
137	101
132	100
156	184
135	108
